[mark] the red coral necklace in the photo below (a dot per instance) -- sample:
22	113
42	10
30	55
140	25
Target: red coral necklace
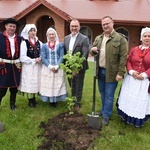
51	46
32	44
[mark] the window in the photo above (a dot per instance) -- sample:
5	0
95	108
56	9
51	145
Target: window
123	31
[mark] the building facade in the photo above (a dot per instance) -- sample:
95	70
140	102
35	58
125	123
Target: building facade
58	13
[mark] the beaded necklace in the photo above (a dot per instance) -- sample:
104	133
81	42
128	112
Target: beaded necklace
51	46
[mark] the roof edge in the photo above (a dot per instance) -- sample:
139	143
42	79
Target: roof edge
46	4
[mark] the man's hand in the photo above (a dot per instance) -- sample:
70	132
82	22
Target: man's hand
94	49
118	77
74	73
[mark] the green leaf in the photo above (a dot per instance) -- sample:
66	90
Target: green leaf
73	63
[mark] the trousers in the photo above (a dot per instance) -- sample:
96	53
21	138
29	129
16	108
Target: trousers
107	91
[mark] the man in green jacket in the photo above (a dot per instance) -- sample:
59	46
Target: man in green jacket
110	49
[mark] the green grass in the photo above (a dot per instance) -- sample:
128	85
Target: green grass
22	125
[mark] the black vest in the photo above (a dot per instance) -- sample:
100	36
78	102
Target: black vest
33	51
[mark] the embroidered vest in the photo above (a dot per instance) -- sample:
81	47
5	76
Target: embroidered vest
33	51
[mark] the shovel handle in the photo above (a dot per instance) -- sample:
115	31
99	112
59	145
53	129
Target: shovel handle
94	85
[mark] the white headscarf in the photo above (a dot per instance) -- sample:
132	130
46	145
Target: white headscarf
56	36
144	30
26	29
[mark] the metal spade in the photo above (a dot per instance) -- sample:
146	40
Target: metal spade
94	120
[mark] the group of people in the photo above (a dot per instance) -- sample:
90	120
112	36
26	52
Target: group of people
114	63
40	71
31	67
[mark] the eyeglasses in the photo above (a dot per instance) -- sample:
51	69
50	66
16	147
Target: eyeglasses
74	26
106	24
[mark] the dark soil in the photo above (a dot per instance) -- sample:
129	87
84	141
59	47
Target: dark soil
68	132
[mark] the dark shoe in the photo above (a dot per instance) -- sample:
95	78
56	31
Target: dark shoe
13	107
32	102
53	104
77	107
31	105
105	121
13	101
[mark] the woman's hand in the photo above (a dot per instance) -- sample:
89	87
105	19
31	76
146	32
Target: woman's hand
38	60
140	77
54	70
135	74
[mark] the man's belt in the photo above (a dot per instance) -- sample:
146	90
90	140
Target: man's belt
9	61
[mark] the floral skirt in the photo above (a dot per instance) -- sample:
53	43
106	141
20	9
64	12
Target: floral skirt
30	78
53	85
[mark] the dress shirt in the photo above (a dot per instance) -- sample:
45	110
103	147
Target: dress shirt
72	41
102	58
12	44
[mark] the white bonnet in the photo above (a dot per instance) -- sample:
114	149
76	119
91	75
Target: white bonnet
26	29
144	30
51	29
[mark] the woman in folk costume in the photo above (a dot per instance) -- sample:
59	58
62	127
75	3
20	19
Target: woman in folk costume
134	99
31	63
53	82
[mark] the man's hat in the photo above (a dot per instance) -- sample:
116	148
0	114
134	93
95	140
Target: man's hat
10	20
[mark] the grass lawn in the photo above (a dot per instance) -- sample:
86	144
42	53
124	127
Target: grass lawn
22	125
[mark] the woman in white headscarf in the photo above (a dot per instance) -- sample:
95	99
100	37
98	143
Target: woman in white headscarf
53	82
31	63
134	99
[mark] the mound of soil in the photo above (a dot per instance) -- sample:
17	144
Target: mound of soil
67	132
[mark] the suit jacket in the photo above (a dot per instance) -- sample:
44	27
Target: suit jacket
81	45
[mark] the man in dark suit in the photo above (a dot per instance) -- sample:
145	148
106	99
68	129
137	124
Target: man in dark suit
77	42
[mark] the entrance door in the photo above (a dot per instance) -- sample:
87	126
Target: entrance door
42	25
